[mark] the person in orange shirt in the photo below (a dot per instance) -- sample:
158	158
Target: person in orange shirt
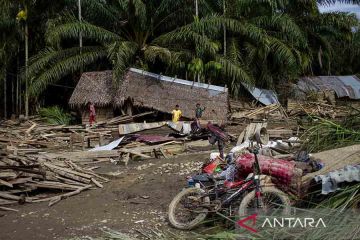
176	114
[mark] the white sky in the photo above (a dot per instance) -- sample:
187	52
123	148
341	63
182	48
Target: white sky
342	7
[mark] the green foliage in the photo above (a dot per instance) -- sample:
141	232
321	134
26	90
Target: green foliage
345	198
325	134
55	115
268	43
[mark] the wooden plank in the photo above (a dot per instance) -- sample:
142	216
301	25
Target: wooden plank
66	195
8	209
51	166
5	183
163	153
134	152
30	128
19	180
7	174
97	183
9	196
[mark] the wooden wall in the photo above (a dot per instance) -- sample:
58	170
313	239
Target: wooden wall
102	114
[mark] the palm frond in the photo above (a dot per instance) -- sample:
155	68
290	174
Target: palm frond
122	55
72	30
49	56
285	25
153	52
235	72
186	35
95	9
282	53
65	66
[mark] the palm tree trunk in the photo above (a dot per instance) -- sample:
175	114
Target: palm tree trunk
17	84
196	8
224	9
12	95
26	71
4	79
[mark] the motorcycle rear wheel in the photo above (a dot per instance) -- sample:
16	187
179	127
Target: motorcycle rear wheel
184	218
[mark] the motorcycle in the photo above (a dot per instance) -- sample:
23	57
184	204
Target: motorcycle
208	193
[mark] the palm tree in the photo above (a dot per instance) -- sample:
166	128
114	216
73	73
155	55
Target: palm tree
265	45
9	43
120	32
140	38
324	31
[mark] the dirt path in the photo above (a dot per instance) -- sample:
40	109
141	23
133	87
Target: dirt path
136	199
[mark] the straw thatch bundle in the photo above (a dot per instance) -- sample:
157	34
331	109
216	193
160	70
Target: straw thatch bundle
95	87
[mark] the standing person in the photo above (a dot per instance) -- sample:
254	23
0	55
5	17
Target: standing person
92	113
198	114
176	114
199	111
218	135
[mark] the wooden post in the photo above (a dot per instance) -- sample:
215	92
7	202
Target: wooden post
101	139
129	110
72	141
83	141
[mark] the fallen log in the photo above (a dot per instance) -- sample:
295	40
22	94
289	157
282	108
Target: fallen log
8	209
66	195
5	183
52	167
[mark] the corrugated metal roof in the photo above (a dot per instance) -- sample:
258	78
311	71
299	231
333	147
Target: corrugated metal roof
344	86
330	182
264	96
181	81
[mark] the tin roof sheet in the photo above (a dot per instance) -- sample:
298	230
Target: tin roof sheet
344	86
264	96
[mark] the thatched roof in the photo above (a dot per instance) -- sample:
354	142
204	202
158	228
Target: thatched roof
153	91
163	93
95	87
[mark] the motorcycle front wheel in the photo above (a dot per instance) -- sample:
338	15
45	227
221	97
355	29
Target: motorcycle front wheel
272	200
186	210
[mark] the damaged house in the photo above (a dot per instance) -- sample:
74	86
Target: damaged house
329	87
144	90
95	87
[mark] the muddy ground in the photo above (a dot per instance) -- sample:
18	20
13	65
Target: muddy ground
135	200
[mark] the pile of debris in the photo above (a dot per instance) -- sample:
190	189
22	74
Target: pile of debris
23	177
272	111
41	162
321	109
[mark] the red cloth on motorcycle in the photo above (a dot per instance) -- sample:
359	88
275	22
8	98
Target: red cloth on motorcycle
282	170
